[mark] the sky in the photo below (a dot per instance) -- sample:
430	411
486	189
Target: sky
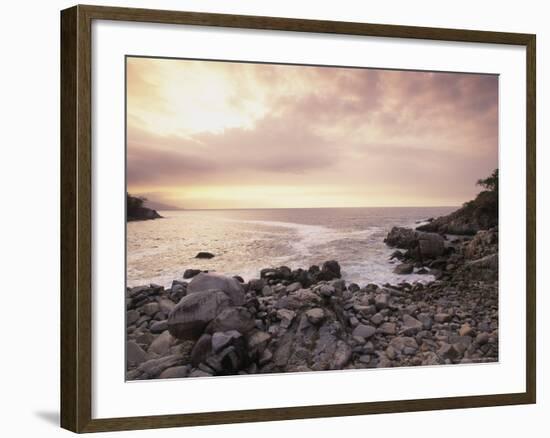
210	134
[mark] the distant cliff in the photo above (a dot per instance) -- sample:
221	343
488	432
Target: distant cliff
476	215
136	211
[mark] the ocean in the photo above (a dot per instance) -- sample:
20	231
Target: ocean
246	241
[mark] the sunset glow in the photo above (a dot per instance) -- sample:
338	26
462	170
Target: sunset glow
205	134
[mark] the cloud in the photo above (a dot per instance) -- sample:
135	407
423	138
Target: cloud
397	134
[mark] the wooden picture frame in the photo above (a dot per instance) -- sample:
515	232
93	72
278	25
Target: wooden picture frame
76	217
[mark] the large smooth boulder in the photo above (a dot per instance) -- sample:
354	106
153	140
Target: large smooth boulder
212	281
195	311
400	237
430	245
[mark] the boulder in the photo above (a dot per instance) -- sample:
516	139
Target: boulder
159	326
221	340
364	331
329	271
404	269
232	318
212	281
201	349
411	326
204	255
190	273
401	237
195	311
175	372
315	315
161	345
430	245
134	354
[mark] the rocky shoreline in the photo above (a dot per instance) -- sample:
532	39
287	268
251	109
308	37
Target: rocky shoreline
311	319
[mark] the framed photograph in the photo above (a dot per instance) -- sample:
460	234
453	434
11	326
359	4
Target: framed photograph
271	218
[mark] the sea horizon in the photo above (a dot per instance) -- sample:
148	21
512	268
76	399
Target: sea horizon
308	208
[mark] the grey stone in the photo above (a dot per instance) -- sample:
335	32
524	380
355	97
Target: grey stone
134	354
399	343
166	306
448	351
190	273
388	328
154	367
404	269
131	317
150	308
315	315
175	372
466	330
377	319
159	326
286	316
256	284
221	340
293	287
201	349
232	318
212	281
411	325
194	311
365	331
381	301
161	345
442	317
482	338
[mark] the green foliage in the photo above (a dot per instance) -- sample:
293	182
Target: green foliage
490	183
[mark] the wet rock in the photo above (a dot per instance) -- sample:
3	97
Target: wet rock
404	269
190	273
256	284
401	238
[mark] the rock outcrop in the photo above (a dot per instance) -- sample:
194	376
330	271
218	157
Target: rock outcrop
136	211
476	215
310	319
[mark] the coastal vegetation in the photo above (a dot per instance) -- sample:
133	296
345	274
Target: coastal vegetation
136	209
